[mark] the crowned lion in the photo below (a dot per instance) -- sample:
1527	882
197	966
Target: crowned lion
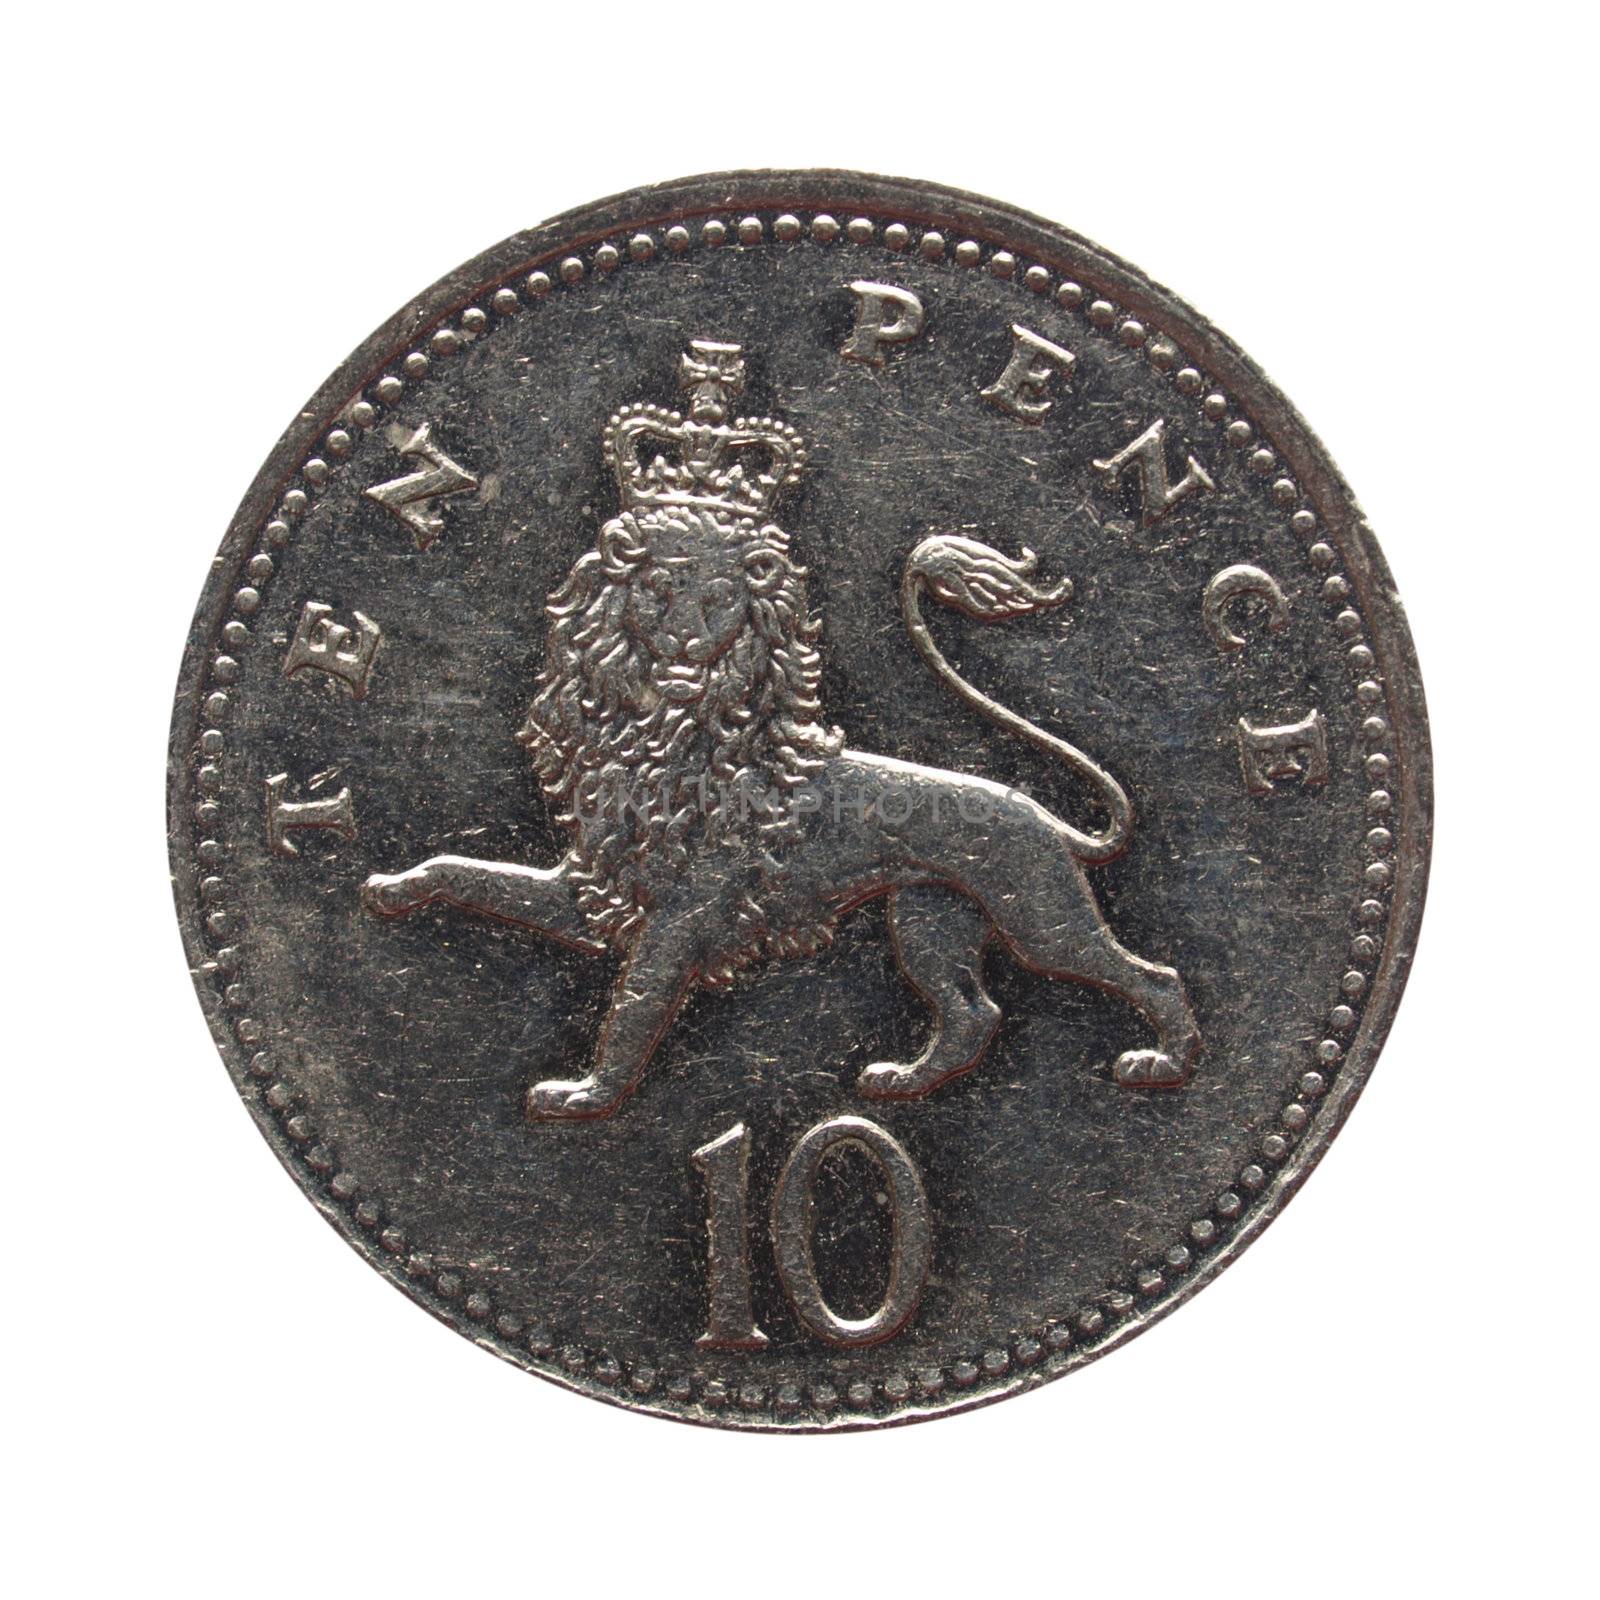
715	820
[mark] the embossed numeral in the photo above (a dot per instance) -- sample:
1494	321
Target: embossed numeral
792	1209
724	1164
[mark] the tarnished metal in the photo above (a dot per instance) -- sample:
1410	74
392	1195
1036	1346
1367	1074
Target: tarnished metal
799	801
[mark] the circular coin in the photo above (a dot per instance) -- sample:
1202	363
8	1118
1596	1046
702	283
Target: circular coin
798	800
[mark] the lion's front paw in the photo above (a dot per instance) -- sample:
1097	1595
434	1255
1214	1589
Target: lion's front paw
571	1100
394	894
1149	1069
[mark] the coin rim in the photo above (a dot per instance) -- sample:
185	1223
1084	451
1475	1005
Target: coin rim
969	216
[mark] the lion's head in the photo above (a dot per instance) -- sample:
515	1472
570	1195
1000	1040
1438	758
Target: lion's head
679	692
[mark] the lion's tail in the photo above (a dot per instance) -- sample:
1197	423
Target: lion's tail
984	584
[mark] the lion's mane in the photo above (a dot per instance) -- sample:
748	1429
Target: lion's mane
657	767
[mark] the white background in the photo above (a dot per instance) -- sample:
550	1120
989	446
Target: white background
1391	209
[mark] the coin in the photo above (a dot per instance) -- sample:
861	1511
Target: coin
799	801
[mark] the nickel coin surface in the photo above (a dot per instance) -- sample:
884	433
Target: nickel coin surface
799	801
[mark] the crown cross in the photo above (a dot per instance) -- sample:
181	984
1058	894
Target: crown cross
661	457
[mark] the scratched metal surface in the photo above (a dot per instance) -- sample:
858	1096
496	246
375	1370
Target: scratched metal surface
388	1059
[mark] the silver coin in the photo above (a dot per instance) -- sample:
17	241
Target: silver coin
799	801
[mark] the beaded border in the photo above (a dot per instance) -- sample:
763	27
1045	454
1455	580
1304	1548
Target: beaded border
1054	1341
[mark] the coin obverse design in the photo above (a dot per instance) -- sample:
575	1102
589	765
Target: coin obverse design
798	801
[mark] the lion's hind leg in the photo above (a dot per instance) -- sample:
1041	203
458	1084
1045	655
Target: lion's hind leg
939	937
1157	993
1154	991
1056	929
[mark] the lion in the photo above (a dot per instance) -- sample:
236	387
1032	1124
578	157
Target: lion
716	822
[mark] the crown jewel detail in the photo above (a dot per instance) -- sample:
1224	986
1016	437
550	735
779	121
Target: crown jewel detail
661	457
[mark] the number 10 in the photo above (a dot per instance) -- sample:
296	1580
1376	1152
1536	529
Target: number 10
724	1163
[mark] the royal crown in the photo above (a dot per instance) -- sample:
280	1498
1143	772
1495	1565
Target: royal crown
662	458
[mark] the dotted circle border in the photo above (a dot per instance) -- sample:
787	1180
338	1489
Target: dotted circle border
1053	1341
